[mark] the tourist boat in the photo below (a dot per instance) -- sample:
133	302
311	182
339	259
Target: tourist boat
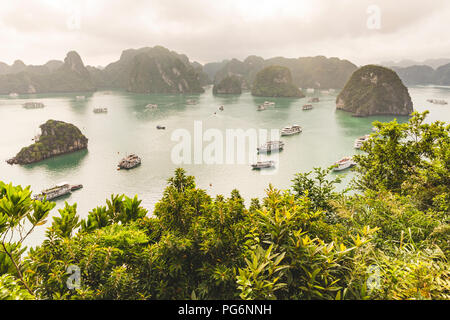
314	100
191	102
436	101
80	98
344	163
13	95
263	164
33	105
129	162
289	131
261	108
271	146
160	127
221	108
54	192
269	103
360	141
76	187
151	106
100	110
307	107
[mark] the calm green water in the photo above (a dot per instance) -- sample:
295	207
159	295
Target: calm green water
128	127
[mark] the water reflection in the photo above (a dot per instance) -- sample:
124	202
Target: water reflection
69	161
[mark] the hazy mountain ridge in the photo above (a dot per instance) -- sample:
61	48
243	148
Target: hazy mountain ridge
55	76
307	72
424	75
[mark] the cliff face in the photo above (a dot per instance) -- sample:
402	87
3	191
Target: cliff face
55	76
275	81
57	138
154	70
375	90
229	85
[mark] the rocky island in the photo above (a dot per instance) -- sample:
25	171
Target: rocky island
375	90
57	138
275	81
229	85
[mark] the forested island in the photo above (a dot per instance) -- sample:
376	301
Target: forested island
385	238
275	81
375	90
56	138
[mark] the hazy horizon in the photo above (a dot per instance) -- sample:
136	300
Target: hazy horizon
362	32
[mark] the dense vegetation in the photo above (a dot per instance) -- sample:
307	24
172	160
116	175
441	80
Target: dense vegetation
388	240
57	137
375	90
275	81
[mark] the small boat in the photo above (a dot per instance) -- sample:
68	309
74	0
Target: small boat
314	100
289	131
436	101
55	192
100	110
129	162
269	103
263	164
80	98
261	108
221	108
151	106
271	146
307	107
13	95
33	105
160	127
191	102
344	163
360	141
76	187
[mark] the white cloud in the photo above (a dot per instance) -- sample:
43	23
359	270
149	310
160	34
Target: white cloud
205	30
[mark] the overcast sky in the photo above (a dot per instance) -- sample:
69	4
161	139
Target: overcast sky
213	30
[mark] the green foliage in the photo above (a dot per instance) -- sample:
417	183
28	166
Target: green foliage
10	289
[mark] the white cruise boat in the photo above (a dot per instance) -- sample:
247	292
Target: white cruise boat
360	141
261	107
269	103
151	106
307	107
344	163
54	192
289	131
271	146
80	98
13	95
33	105
263	164
100	110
